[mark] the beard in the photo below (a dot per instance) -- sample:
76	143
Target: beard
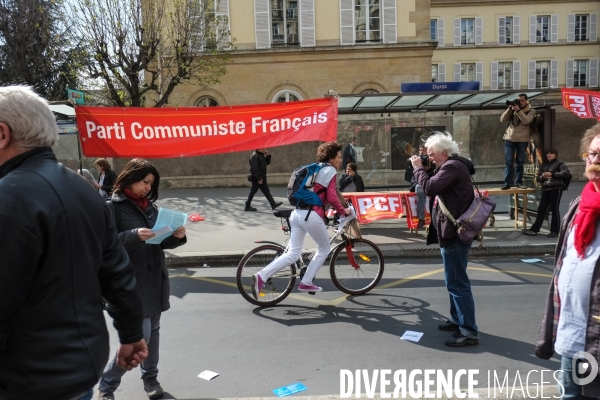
592	172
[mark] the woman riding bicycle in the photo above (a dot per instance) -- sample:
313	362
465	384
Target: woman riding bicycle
310	220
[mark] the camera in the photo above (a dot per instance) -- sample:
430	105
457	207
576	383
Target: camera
512	102
424	159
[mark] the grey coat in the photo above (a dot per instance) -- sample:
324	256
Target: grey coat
148	259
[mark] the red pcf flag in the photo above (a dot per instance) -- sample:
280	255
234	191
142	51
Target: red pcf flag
184	132
583	103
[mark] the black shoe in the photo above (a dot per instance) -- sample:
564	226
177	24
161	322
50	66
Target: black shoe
250	209
102	395
529	232
448	326
421	224
552	235
275	205
153	388
521	186
505	187
460	340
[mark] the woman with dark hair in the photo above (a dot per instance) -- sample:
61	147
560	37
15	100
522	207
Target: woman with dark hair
310	220
132	205
552	176
351	181
106	178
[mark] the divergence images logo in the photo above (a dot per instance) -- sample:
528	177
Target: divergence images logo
585	368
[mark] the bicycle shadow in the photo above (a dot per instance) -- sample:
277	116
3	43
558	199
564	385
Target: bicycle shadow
394	315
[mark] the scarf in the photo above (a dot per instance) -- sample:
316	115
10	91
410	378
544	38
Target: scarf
140	201
585	221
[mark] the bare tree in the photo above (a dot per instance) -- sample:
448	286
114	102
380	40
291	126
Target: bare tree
143	49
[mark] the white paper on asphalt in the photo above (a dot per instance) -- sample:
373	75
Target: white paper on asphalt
531	260
167	218
208	375
412	336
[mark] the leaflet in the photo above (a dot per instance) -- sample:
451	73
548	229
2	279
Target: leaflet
166	222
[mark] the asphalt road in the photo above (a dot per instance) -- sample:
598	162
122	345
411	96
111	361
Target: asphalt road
309	339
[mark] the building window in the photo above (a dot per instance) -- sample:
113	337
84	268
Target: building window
580	68
467	72
206	101
542	27
433	29
369	91
467	31
505	75
208	25
542	75
284	20
287	96
581	28
434	72
508	30
367	19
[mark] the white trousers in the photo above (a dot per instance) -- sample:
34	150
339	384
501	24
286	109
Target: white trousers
316	229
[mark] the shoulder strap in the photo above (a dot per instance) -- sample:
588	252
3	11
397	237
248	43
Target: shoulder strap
445	210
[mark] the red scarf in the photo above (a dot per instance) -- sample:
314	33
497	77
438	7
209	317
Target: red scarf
140	201
589	212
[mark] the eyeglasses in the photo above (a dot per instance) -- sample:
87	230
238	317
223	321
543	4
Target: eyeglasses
589	156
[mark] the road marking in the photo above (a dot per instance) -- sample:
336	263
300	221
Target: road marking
510	272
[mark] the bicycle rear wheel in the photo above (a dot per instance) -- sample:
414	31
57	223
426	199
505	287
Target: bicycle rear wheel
358	272
276	288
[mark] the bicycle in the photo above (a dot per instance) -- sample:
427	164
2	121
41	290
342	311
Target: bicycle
356	265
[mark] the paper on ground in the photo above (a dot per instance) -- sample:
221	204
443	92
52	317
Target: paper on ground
208	375
288	390
412	336
531	260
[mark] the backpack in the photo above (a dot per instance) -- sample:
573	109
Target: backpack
300	187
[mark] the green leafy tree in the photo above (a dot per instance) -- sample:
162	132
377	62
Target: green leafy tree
142	49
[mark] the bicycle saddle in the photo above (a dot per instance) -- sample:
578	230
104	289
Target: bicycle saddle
282	213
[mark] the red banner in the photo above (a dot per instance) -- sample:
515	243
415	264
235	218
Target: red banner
412	219
583	103
371	207
183	132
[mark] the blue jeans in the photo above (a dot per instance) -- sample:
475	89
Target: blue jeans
510	148
421	198
462	305
85	396
571	389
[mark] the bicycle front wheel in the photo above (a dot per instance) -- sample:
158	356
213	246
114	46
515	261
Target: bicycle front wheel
276	288
358	269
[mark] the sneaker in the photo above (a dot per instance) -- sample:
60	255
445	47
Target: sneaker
102	395
529	232
552	235
460	340
521	186
257	285
448	326
275	205
249	209
505	187
309	288
153	388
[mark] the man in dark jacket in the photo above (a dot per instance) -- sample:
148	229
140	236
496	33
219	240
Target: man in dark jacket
60	256
451	183
258	169
349	155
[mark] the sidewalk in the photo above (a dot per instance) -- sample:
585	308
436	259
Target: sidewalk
228	232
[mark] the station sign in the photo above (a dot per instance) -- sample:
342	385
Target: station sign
438	87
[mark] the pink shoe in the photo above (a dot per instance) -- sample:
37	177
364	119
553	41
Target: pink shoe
257	285
309	288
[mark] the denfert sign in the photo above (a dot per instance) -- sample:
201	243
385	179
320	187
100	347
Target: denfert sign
438	86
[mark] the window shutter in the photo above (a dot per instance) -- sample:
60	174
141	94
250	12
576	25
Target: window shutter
516	75
593	27
346	22
593	78
440	32
494	76
553	73
478	31
457	72
554	28
569	77
389	21
531	75
222	13
307	23
501	31
532	23
571	28
457	31
479	74
516	30
442	72
261	21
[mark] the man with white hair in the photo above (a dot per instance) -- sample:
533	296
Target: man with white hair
571	322
60	256
451	183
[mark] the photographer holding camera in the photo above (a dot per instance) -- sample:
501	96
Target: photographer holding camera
516	139
415	187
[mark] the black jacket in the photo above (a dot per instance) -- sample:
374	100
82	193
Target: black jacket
60	256
110	178
258	165
345	180
148	259
560	174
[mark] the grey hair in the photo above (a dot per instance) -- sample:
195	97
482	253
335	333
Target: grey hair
28	116
440	142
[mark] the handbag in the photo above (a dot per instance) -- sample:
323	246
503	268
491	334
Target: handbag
471	222
249	177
